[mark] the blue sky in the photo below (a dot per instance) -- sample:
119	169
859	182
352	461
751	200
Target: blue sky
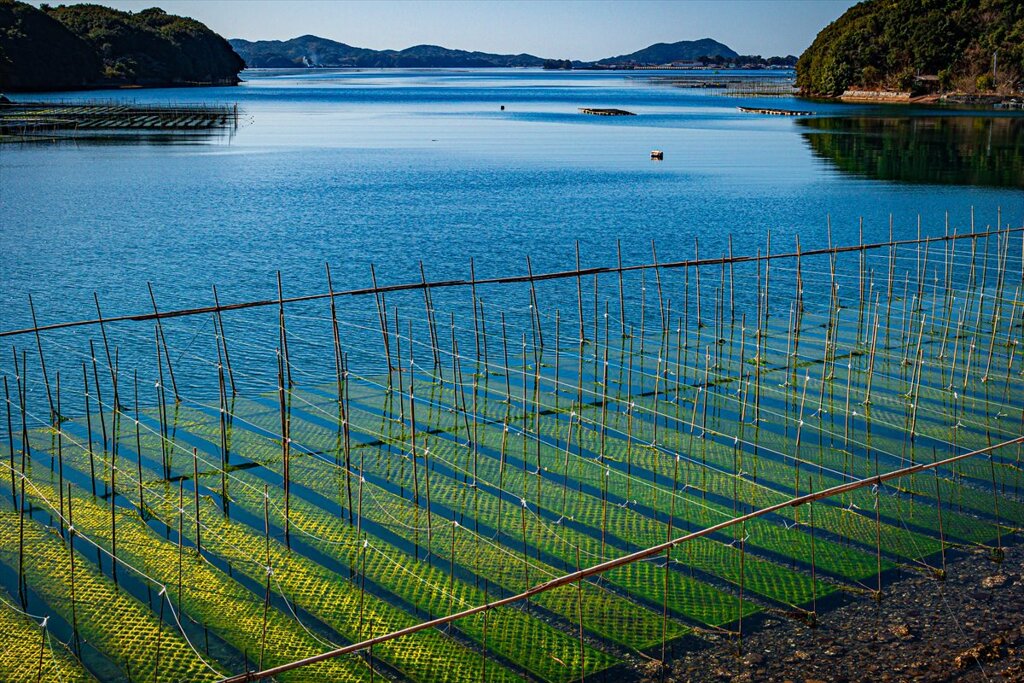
576	29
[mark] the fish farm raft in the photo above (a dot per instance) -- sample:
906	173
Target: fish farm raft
544	476
34	121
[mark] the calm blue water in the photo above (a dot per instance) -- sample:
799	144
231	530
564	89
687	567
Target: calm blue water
391	168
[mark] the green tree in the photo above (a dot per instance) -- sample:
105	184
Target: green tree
890	41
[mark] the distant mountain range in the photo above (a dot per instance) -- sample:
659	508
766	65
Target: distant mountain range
313	51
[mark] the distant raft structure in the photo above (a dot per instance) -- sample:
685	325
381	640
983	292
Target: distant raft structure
27	120
605	112
774	112
733	85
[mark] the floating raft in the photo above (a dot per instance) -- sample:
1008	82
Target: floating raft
774	112
605	112
33	118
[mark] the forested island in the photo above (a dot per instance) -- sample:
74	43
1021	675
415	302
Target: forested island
90	46
918	46
311	51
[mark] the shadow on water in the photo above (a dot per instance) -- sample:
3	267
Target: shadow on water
948	150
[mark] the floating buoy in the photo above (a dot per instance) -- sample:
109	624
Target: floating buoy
657	155
503	107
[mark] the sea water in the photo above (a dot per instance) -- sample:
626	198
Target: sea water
396	167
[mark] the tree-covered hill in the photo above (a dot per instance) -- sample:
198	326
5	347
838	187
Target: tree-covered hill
37	52
666	53
898	44
81	46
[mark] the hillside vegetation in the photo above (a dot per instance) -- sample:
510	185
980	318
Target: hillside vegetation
37	52
83	46
918	44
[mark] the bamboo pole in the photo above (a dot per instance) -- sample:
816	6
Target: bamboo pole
138	446
195	489
535	310
428	304
579	298
225	451
341	382
380	316
54	415
285	449
76	641
163	339
286	358
181	535
224	341
269	570
60	459
622	303
10	441
161	402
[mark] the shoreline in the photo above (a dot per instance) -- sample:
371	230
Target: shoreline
911	634
904	97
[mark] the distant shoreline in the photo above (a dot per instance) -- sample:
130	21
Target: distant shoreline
514	68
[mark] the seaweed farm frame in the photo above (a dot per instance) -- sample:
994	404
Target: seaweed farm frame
545	476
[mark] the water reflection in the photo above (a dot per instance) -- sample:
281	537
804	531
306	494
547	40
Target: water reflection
951	150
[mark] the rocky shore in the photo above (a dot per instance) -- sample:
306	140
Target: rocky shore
967	627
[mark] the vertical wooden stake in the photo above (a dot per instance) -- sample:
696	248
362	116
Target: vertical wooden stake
60	456
269	569
77	644
224	341
163	339
138	445
99	394
579	297
283	332
536	312
428	303
10	440
54	416
181	534
381	317
113	496
942	535
285	449
622	304
161	401
579	617
195	488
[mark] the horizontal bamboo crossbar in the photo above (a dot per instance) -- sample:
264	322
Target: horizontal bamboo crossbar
557	275
617	562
